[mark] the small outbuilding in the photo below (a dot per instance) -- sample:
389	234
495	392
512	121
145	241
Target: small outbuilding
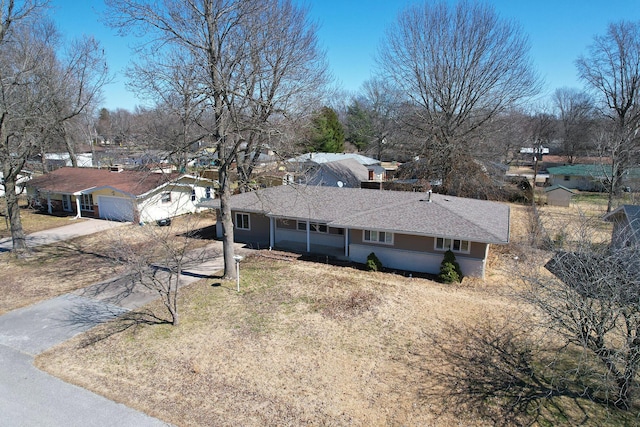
557	195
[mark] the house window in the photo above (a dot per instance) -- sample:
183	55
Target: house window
66	203
314	227
567	178
455	245
207	192
375	236
166	197
193	194
86	202
242	221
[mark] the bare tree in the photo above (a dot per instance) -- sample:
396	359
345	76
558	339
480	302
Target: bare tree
34	82
542	129
372	116
592	301
13	16
170	82
612	71
575	110
155	257
254	61
459	67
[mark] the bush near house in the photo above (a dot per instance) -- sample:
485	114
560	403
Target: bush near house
373	263
449	269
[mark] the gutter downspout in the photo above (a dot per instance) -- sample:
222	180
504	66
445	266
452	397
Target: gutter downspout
49	208
308	236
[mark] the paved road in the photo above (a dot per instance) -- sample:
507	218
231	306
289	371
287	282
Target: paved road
30	397
74	229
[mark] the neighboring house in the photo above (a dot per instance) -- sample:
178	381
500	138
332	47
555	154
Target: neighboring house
626	225
557	195
332	157
23	177
340	173
406	230
549	161
376	173
57	160
589	177
118	194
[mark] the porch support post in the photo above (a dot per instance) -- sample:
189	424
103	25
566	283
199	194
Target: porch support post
49	208
308	237
346	242
78	214
272	232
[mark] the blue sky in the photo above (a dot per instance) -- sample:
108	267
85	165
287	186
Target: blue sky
351	30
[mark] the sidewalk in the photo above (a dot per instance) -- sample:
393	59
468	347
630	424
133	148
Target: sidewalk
30	397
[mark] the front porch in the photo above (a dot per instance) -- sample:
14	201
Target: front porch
315	249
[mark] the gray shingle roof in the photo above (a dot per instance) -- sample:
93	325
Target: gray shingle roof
332	157
394	211
632	212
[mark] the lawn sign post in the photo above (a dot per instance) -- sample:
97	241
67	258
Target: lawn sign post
238	258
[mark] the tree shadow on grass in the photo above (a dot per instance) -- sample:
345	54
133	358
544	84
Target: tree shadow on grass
124	322
498	373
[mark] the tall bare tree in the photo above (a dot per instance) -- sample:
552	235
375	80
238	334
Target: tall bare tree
254	62
169	81
575	110
14	17
459	66
612	70
34	82
372	116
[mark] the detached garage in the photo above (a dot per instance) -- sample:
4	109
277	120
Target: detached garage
119	195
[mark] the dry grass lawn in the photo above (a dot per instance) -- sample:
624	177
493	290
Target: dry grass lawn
315	344
31	219
303	344
56	269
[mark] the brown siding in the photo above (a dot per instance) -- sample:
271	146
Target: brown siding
416	243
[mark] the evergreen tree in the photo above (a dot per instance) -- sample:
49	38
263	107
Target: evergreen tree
328	134
359	125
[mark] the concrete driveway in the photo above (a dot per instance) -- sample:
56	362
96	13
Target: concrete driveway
30	397
76	228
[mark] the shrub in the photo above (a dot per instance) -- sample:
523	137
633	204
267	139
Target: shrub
373	263
449	269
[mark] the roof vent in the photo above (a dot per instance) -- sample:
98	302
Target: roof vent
428	199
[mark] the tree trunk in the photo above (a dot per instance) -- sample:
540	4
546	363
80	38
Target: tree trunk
13	212
227	224
71	150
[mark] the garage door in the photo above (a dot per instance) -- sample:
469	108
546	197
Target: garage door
115	208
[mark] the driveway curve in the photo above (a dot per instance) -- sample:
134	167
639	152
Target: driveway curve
74	229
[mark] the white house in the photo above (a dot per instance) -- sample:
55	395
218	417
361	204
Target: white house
118	194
